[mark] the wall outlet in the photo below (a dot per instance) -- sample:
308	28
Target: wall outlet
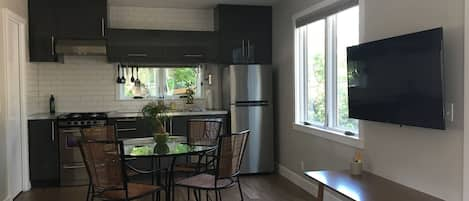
302	165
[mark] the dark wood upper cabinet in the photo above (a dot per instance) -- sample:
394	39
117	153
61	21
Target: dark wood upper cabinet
245	34
161	46
81	20
42	31
52	20
43	153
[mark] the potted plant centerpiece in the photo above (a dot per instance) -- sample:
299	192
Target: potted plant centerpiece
156	115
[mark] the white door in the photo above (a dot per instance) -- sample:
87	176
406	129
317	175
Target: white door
15	39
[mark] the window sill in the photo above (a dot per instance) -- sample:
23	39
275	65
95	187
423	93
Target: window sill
330	135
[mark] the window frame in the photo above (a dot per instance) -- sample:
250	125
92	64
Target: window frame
120	88
330	129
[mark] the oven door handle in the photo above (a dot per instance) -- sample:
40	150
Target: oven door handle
74	166
126	129
70	130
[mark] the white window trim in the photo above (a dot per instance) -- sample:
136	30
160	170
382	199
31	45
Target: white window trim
323	132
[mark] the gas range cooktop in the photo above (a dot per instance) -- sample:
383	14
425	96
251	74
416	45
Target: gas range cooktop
83	116
82	119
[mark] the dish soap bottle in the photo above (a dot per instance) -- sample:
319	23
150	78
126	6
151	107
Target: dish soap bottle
52	104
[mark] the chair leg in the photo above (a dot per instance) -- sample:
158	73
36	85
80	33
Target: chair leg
240	190
188	194
219	195
92	193
195	195
88	193
200	195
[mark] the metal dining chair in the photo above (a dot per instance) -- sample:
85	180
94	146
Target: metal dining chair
229	156
106	168
201	132
107	133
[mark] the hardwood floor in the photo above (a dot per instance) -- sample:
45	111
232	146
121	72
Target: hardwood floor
255	188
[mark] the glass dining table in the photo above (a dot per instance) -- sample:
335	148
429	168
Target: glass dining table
147	148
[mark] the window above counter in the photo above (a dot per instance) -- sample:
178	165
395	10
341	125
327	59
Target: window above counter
160	82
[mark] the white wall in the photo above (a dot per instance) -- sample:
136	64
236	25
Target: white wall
425	159
19	7
161	18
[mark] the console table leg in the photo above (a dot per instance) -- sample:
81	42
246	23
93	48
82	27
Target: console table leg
320	192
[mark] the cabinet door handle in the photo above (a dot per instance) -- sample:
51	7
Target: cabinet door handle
171	126
53	131
103	27
52	41
247	49
137	55
73	166
126	129
126	120
243	49
194	55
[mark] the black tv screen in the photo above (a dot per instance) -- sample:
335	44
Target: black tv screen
398	80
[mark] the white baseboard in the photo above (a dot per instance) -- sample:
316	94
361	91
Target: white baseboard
8	198
309	186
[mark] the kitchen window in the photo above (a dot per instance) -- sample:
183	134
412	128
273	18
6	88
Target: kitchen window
321	91
161	83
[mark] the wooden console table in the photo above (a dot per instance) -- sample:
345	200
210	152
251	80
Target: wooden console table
366	187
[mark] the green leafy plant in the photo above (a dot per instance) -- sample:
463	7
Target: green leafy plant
156	114
189	93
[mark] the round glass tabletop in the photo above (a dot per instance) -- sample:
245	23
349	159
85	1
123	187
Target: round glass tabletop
164	150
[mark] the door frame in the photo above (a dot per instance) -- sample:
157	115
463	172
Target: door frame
9	16
465	187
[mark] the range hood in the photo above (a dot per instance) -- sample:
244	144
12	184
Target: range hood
81	47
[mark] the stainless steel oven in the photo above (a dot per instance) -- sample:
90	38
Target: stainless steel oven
72	168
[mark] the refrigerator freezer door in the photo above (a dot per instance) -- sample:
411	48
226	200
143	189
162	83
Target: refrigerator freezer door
259	155
250	83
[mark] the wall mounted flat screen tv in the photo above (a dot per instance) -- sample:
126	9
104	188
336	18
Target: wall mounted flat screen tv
398	80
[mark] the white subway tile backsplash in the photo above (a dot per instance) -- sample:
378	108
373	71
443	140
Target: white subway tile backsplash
81	84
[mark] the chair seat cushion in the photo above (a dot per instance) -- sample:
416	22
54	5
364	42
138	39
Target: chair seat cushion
134	191
204	181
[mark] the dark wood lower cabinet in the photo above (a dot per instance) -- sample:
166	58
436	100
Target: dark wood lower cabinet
43	153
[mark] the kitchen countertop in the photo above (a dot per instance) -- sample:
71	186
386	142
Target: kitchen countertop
43	116
171	114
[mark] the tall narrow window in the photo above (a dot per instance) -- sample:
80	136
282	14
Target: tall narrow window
321	70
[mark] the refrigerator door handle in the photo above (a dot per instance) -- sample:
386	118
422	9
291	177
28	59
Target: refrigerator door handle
251	103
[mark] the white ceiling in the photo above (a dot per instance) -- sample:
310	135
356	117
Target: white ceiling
187	4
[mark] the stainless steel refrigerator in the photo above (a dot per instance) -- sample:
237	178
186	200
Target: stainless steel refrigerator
247	94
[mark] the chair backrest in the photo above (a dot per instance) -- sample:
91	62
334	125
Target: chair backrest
104	163
99	133
230	154
203	131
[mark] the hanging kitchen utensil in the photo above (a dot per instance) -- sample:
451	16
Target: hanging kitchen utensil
137	81
119	81
123	74
132	79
